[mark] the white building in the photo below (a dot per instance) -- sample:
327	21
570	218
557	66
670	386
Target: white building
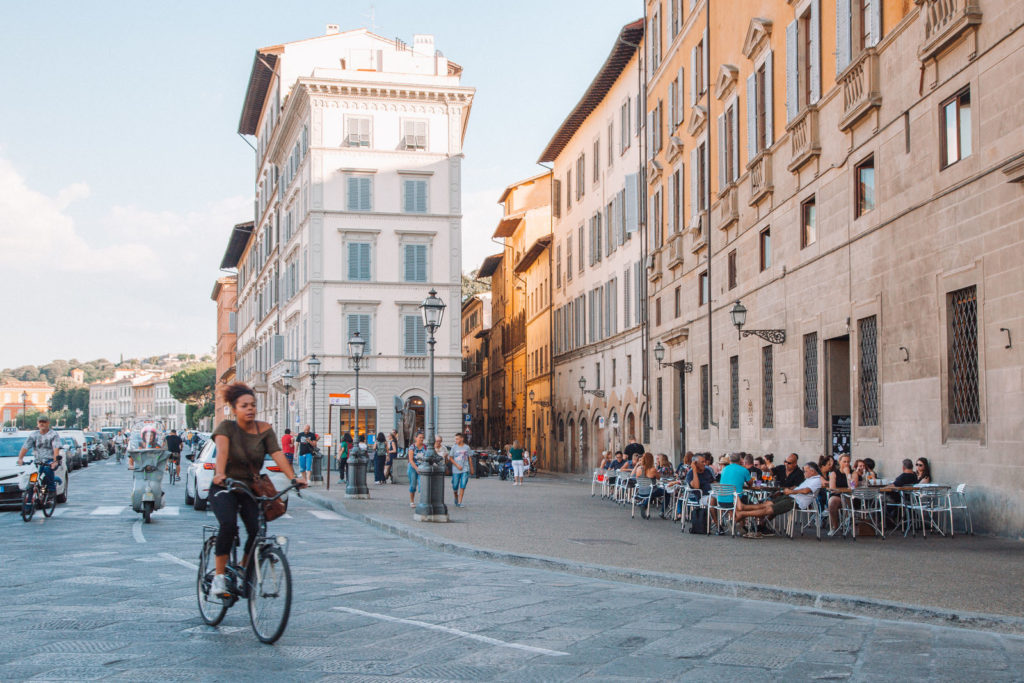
357	216
598	295
166	408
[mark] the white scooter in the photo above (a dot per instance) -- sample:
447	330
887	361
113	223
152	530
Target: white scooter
146	449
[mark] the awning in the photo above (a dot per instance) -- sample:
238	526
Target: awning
535	250
489	265
240	235
507	226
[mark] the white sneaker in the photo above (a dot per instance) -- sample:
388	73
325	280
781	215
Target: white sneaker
218	588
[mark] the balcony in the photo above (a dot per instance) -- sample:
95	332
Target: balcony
860	88
760	177
804	143
414	363
728	208
654	266
675	250
944	22
699	232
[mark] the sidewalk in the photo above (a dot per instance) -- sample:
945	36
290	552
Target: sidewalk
553	522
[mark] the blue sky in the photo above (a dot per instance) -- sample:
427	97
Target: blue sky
121	171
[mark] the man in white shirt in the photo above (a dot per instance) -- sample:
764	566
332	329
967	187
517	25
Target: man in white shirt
802	495
462	465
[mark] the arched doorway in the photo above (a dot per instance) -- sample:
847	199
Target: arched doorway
585	446
413	414
630	428
570	445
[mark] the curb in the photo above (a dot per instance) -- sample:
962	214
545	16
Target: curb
851	604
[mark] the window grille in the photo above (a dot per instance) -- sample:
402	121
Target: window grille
867	332
734	392
811	380
768	388
964	398
703	397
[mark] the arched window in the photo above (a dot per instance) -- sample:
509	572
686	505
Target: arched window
561	429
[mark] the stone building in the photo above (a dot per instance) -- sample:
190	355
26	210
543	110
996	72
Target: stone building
17	396
883	324
358	215
476	332
225	296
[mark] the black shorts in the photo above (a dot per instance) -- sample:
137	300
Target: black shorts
781	506
174	457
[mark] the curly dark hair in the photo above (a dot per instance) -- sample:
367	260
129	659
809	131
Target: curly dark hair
233	392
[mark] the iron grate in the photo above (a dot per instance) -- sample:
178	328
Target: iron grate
768	387
811	380
867	337
964	390
734	392
704	396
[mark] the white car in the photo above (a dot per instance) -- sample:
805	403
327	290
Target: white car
12	475
200	471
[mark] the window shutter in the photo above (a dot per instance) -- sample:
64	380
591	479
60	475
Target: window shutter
598	236
410	335
681	209
353	194
792	98
876	22
360	322
410	195
679	99
707	71
815	49
626	323
843	37
751	117
650	135
734	133
556	197
722	180
769	105
631	204
693	76
364	194
421	196
693	184
672	105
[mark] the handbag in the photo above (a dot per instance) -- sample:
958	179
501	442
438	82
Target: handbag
262	486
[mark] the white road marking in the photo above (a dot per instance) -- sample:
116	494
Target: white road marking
455	632
168	511
137	532
108	510
59	511
286	516
325	514
178	560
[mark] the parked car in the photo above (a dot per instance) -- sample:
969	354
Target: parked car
11	473
79	436
72	453
200	472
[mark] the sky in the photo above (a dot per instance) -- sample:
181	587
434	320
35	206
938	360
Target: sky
121	171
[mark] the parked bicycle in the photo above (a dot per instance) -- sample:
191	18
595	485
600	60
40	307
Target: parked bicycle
37	496
266	582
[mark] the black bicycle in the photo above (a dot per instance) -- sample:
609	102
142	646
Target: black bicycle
172	471
37	496
266	582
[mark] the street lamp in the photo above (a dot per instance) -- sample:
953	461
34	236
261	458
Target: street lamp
598	393
739	319
314	370
659	355
287	378
356	486
431	507
24	407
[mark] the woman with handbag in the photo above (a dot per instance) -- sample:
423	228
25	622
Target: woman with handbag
392	454
380	454
242	444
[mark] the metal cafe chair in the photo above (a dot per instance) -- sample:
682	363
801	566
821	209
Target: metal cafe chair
723	501
958	501
865	505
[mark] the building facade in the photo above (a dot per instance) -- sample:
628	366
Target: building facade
476	328
358	215
597	294
225	296
23	396
167	409
880	325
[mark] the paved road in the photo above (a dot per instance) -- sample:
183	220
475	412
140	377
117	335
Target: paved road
92	594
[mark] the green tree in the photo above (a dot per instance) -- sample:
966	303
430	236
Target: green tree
194	387
471	285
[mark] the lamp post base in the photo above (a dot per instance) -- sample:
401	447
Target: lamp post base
429	518
355	486
431	507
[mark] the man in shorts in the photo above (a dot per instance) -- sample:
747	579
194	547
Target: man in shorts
802	495
307	444
173	442
462	465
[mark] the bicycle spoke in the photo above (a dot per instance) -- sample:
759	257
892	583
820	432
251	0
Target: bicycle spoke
270	594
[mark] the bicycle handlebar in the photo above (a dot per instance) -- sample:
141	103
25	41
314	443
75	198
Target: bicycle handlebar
241	486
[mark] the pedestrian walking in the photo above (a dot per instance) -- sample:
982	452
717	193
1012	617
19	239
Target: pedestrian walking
516	455
380	454
288	446
307	443
343	450
389	464
462	465
416	454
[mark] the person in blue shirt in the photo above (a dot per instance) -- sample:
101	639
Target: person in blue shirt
733	474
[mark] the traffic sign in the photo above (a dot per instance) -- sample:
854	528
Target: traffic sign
328	440
468	419
339	399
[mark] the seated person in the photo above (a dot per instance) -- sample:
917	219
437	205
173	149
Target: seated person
733	474
684	464
605	460
924	471
838	478
907	477
869	468
859	477
664	466
748	462
802	496
788	475
698	481
616	462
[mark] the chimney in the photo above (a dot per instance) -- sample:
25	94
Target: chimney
423	44
332	30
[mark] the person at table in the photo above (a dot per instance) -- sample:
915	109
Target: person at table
869	470
908	477
802	496
924	471
698	479
664	466
838	479
748	462
616	462
859	477
734	474
788	474
605	460
634	450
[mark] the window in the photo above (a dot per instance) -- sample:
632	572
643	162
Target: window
700	178
414	341
568	190
732	269
360	193
556	198
765	241
654	39
624	126
611	143
414	135
865	174
728	147
964	389
858	27
360	322
698	70
659	395
767	388
704	293
867	390
629	369
581	245
558	266
581	174
864	24
676	222
656	235
359	261
808	223
568	258
956	128
596	172
677	301
357	131
657	311
415	262
704	396
414	195
811	380
734	392
803	61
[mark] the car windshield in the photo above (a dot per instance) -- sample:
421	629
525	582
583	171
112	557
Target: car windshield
10	446
68	442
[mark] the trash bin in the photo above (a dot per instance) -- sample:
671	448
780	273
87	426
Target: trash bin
318	467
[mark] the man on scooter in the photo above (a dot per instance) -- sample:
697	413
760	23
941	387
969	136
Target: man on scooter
45	446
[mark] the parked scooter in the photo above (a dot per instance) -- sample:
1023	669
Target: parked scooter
146	449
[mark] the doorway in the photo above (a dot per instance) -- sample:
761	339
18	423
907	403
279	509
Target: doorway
837	395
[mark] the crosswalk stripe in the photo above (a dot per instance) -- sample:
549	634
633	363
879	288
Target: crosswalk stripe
108	510
168	511
325	514
59	511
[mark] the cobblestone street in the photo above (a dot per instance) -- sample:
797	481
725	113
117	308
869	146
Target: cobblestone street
94	594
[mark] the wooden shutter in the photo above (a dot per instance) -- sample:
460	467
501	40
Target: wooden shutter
722	150
693	183
632	204
626	301
707	70
680	98
358	261
876	22
815	49
734	134
751	116
360	322
693	76
353	193
769	105
843	37
556	197
415	263
792	72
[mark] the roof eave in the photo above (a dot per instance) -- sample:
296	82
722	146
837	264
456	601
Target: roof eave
260	76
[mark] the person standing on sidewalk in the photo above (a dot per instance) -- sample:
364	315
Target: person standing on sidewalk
343	448
380	454
462	466
288	446
515	454
307	442
389	464
417	454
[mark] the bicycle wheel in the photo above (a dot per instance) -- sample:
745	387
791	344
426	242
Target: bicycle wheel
28	506
270	596
211	612
49	503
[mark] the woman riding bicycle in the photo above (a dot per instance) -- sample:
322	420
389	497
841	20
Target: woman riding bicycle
242	444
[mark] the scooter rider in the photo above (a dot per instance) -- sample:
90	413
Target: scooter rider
45	446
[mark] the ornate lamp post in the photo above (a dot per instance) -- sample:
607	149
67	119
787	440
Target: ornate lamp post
431	507
659	355
356	486
314	371
24	407
739	318
287	378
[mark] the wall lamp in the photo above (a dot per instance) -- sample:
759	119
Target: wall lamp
659	355
583	387
739	318
542	404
